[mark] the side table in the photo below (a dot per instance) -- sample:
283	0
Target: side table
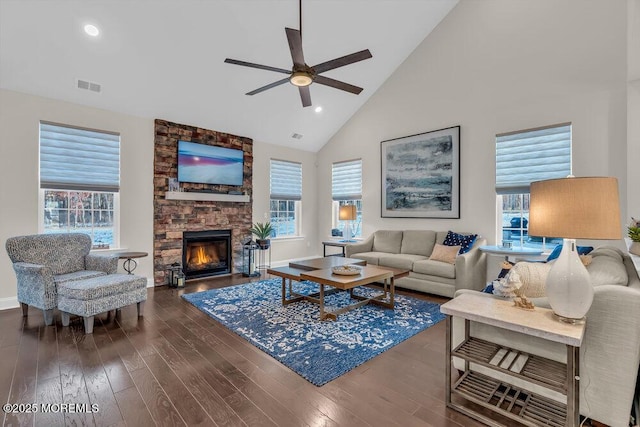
335	243
130	263
516	403
507	252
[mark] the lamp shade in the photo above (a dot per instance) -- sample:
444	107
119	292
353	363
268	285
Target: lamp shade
347	213
575	208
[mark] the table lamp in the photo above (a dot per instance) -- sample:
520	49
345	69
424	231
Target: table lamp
347	214
573	208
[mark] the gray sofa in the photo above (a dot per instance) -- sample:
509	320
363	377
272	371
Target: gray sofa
43	262
410	249
610	352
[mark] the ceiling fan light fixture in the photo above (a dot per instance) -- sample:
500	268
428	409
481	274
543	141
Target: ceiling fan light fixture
301	79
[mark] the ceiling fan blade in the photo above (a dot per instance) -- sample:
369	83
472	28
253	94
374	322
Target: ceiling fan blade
337	84
342	61
305	96
261	67
295	45
269	86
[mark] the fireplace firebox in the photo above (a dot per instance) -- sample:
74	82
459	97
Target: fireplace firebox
206	253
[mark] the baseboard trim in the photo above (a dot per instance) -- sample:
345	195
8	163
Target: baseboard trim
285	263
8	303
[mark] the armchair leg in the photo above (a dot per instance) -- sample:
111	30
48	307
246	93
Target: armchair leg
88	325
65	318
25	309
48	316
141	309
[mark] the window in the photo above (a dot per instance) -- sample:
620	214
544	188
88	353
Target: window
523	157
346	189
79	182
286	196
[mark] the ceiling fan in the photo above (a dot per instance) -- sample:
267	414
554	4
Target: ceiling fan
302	75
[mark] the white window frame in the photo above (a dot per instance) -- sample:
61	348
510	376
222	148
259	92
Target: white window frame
116	196
519	190
288	194
352	194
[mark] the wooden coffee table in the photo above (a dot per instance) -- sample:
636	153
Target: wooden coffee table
323	276
325	262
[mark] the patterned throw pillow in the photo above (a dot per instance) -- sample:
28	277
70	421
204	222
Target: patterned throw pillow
455	239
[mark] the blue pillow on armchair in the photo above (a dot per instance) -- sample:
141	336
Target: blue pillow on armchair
455	239
582	250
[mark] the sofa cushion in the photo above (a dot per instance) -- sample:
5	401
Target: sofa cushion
371	257
464	241
435	268
77	275
607	267
418	242
444	253
402	261
388	241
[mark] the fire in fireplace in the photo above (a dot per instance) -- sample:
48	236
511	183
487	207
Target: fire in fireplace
206	253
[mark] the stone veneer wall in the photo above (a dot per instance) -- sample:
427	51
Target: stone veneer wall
172	217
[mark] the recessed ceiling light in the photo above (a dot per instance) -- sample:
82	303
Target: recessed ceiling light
92	30
318	109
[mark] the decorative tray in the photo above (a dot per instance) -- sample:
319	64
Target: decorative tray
347	270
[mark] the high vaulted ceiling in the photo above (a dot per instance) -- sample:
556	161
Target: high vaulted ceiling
164	58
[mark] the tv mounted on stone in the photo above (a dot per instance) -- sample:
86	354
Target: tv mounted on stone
209	164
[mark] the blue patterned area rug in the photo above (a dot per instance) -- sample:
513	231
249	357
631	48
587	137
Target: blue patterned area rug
293	334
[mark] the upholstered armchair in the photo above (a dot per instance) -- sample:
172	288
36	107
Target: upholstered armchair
43	261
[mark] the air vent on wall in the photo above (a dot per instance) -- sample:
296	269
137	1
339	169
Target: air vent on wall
296	136
94	87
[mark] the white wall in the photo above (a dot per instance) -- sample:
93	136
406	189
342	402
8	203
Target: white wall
284	249
494	66
633	110
20	115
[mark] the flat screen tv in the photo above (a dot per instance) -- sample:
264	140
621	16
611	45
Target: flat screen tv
208	164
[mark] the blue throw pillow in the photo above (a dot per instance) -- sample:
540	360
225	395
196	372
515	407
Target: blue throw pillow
488	289
582	250
455	239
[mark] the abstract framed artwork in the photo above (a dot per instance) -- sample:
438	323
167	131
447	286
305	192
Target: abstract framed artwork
421	175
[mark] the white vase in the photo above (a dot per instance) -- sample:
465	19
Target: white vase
569	288
634	248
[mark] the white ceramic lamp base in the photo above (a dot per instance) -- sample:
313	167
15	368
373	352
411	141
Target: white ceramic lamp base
346	233
569	288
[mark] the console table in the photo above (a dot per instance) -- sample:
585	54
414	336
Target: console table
517	403
507	252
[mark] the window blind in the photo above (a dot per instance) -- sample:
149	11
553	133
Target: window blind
532	155
286	180
346	180
79	159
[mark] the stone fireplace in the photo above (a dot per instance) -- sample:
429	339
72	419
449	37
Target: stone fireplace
176	219
206	253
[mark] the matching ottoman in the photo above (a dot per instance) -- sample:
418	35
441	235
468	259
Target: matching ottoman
97	295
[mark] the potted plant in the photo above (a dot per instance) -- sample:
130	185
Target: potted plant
262	233
634	235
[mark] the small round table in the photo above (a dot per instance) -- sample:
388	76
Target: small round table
130	264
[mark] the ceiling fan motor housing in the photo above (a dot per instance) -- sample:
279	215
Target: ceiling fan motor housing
302	77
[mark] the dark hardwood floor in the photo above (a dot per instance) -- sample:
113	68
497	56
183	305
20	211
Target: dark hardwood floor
177	366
